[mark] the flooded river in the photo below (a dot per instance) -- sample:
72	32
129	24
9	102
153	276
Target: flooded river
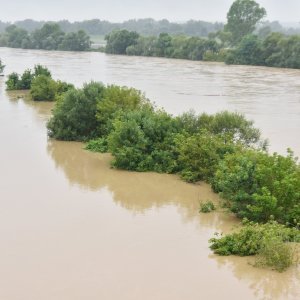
71	228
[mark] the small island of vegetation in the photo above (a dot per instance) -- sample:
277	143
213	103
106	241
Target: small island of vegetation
224	149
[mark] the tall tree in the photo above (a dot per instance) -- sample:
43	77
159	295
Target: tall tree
242	18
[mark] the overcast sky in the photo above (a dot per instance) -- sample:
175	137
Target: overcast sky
120	10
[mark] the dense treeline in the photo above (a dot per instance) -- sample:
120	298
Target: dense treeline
165	45
147	27
235	44
143	26
276	50
49	37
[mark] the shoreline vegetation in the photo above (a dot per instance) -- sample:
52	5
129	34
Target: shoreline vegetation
241	41
224	149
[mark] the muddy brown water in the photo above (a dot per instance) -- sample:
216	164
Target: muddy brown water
73	228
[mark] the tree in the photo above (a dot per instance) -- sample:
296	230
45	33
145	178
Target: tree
242	18
75	41
43	88
119	40
74	116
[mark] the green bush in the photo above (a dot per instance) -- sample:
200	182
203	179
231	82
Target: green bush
206	207
24	81
268	240
230	123
74	116
276	254
13	82
143	140
43	88
260	186
97	145
117	100
200	154
41	70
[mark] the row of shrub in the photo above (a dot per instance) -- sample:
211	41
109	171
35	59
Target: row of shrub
274	50
272	243
40	83
223	149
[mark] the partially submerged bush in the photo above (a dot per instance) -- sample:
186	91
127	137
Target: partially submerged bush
43	88
260	186
97	145
143	140
117	100
74	116
24	81
269	240
277	255
200	154
206	207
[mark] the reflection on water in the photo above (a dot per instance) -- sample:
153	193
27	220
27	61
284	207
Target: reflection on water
135	191
73	228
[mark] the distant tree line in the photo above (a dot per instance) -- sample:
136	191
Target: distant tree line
49	37
164	45
143	26
238	43
146	27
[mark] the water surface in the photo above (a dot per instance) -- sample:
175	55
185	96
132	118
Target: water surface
73	228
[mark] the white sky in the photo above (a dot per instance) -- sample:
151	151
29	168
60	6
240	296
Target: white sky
120	10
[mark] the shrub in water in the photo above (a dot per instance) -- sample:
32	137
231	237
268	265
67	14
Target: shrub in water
206	207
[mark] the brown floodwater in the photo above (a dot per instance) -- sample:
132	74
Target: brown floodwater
73	228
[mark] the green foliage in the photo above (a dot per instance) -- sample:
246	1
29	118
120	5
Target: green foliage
43	88
269	240
24	81
41	70
248	52
260	186
276	50
200	154
146	26
97	145
142	140
276	255
48	37
117	100
13	82
231	124
206	207
75	41
119	40
74	116
242	18
165	45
